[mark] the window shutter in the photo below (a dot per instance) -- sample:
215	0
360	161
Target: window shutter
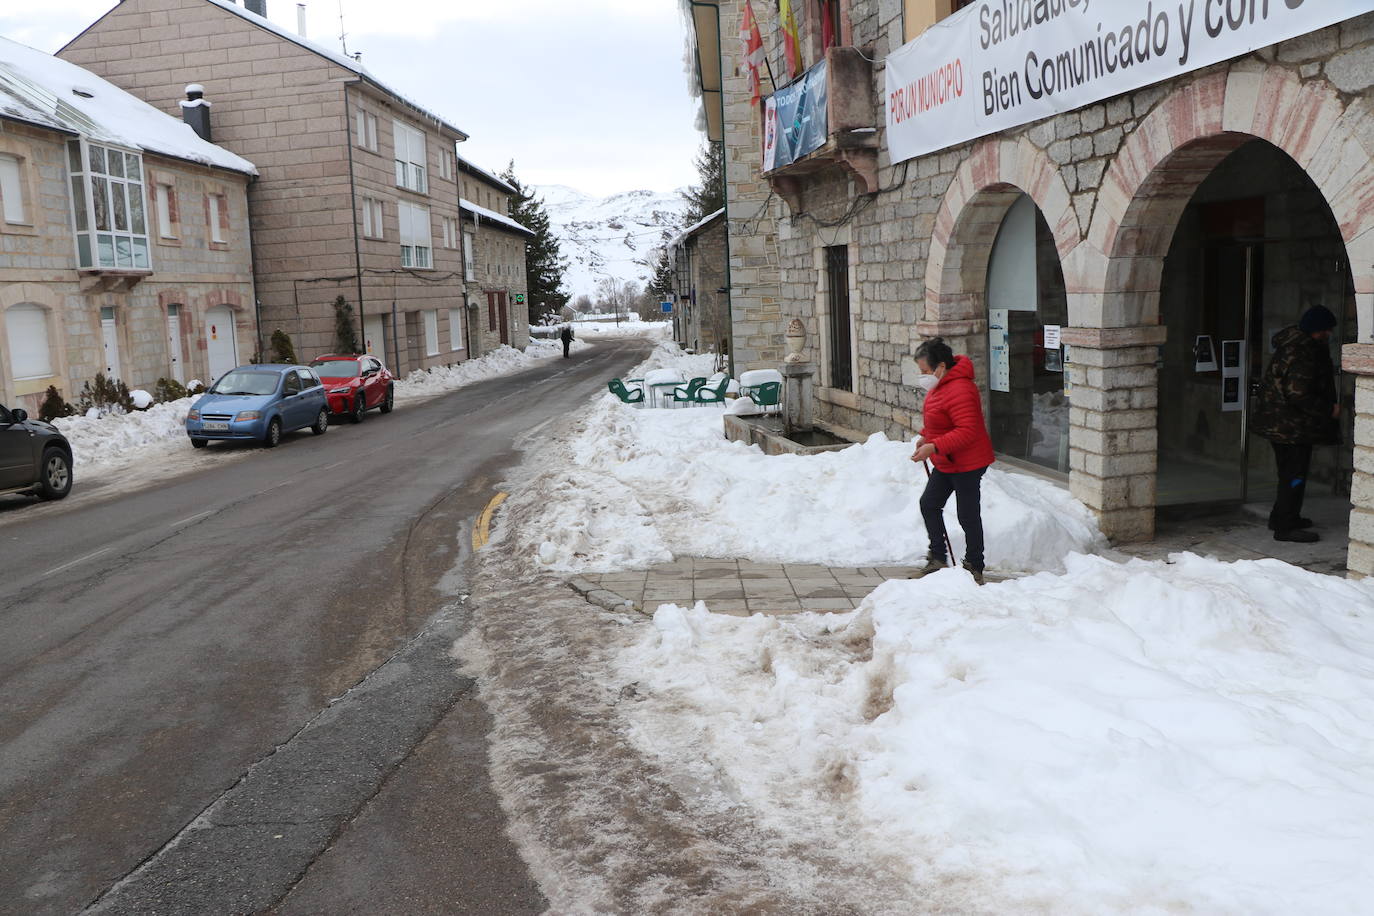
27	326
11	189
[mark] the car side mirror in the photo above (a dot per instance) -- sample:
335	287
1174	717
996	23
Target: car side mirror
19	414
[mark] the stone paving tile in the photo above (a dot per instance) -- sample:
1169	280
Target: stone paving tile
827	604
713	593
832	591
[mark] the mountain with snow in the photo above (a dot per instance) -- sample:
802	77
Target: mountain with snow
610	236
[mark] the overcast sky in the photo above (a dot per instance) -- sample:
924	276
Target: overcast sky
589	94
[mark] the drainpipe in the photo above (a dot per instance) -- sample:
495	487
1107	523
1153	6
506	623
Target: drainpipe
353	202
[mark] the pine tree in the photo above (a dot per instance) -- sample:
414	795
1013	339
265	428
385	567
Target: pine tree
281	346
709	196
345	335
544	261
661	284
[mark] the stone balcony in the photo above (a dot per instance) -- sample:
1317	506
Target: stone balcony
847	134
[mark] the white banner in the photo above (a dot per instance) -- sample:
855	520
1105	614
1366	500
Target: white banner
1003	63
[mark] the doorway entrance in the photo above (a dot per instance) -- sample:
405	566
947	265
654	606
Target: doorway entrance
109	333
175	354
374	336
221	347
1028	403
1242	267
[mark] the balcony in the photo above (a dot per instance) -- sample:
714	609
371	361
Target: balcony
823	122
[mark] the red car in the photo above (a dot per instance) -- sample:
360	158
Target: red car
355	384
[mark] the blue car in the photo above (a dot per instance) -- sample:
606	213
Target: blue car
259	403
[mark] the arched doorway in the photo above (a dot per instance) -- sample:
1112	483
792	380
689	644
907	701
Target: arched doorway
1255	246
1027	305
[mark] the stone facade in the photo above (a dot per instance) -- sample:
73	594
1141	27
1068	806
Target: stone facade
329	209
702	319
160	321
498	275
1111	181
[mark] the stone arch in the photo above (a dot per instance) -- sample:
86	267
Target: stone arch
1170	153
990	179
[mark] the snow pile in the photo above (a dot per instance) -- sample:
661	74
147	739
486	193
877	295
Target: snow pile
633	327
643	485
1147	737
115	439
424	383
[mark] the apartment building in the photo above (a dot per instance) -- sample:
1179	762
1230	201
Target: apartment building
124	238
494	246
358	190
1111	214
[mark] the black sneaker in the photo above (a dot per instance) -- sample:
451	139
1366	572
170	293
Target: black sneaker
1297	536
977	573
934	564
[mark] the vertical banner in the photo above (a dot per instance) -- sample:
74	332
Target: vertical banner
770	134
1003	63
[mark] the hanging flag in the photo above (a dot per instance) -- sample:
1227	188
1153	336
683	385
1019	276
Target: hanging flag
791	41
752	41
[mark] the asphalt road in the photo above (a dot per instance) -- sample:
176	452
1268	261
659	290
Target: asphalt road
204	681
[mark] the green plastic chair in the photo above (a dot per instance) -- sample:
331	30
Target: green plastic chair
768	395
708	395
686	394
626	395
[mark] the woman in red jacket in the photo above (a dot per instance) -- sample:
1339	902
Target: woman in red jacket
956	441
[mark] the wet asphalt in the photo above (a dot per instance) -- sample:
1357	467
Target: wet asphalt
233	691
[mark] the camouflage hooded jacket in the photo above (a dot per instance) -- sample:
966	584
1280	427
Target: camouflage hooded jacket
1298	392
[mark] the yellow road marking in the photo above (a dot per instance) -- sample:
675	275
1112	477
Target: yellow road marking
481	532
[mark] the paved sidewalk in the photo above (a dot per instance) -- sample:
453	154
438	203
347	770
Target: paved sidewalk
743	587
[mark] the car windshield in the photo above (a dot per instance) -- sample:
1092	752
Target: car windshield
336	368
244	381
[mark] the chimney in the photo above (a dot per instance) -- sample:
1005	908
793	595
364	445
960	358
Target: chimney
300	19
256	6
196	111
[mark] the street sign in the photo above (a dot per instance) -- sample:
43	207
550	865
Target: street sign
667	307
519	298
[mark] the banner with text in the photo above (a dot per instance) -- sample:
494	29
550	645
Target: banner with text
1003	63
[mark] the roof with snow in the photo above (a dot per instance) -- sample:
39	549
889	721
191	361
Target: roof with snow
467	166
40	89
491	216
696	227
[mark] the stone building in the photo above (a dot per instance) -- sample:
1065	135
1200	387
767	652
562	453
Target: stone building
494	246
358	192
1115	261
701	317
124	238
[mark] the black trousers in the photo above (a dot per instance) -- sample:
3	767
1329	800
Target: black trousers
566	344
966	487
1293	462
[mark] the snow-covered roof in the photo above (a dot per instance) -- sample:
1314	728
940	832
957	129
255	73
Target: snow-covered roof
467	166
45	90
337	57
491	216
696	227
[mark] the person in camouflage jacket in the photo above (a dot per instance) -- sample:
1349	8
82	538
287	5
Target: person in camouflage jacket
1297	409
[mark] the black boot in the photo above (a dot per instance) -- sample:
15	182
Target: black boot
1297	536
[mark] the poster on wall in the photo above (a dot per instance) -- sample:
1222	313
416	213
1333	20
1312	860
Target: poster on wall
1204	354
999	353
1232	375
1000	64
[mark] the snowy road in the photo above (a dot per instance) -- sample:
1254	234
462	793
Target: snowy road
166	648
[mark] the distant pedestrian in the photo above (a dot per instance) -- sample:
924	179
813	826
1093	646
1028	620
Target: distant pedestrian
955	439
1298	408
567	337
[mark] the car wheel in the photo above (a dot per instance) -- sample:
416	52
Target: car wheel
55	474
321	425
273	436
359	409
390	400
199	443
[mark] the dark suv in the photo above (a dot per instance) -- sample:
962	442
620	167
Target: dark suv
34	456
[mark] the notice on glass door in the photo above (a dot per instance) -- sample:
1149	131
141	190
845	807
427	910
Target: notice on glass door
999	351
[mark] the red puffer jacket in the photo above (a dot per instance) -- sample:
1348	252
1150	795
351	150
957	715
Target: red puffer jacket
954	421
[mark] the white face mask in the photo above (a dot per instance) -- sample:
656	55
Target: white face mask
926	382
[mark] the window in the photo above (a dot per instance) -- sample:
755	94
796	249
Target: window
450	232
446	169
308	379
919	15
365	130
410	158
455	329
837	298
12	188
415	235
27	327
432	332
107	207
830	23
217	216
469	268
292	384
372	218
167	216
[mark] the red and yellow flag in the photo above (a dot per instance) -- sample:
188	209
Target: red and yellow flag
791	41
752	42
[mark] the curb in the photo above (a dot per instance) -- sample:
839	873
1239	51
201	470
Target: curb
601	597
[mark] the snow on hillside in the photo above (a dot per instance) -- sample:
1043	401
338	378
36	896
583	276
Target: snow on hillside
609	236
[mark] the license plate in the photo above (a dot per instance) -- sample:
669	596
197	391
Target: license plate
215	427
